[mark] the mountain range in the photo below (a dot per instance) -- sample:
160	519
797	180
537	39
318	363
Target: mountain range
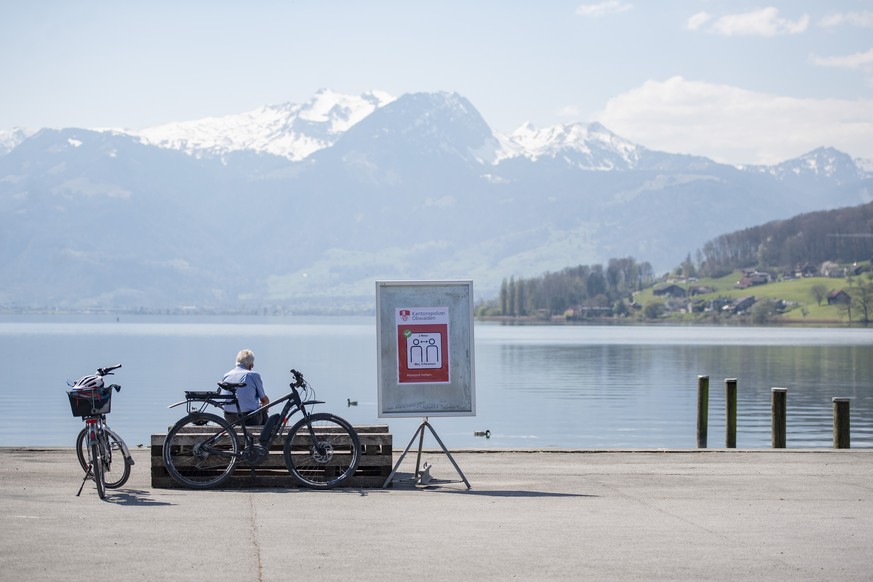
302	207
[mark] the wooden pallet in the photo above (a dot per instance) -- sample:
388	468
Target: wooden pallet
373	470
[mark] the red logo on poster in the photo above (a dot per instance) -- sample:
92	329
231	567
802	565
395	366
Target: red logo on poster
423	345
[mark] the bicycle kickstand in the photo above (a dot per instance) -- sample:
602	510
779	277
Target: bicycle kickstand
85	478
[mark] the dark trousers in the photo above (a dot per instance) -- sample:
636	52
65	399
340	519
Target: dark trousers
255	420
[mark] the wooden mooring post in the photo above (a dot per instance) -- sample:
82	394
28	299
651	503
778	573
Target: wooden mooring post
702	410
730	399
841	423
778	401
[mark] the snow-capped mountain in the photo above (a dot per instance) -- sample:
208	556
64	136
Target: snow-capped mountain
297	131
342	191
821	163
588	147
289	130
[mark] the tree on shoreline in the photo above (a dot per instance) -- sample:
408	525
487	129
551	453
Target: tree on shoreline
861	297
592	287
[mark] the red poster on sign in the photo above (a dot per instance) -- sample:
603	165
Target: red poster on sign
422	344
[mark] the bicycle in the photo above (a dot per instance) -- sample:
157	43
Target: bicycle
321	451
97	444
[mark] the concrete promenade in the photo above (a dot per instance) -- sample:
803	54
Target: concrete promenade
575	515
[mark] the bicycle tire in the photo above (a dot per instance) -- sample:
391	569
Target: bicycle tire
97	469
198	458
82	449
330	459
113	479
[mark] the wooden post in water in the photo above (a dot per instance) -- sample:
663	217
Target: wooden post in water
702	410
841	423
778	398
730	399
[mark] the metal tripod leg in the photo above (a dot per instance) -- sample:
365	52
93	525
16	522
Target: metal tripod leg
419	432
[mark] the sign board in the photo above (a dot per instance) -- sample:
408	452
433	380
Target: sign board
425	348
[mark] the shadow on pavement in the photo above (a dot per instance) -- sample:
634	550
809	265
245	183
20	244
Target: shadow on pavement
132	497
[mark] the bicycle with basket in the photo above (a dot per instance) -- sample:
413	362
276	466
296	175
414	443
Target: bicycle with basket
102	453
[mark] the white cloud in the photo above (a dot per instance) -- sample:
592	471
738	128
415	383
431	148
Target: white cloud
861	61
569	111
861	19
733	125
601	8
764	22
698	20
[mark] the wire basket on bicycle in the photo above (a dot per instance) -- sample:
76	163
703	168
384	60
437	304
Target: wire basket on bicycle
90	401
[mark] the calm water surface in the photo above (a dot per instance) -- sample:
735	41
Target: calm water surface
536	386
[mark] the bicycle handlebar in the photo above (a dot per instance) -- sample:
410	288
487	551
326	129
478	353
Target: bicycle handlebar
107	371
298	379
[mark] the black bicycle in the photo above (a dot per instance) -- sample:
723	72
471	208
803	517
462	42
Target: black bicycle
202	449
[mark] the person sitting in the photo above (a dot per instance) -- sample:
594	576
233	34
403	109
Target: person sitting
252	395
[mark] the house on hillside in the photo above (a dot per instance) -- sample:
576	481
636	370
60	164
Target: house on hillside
752	278
805	270
700	290
740	305
838	297
669	291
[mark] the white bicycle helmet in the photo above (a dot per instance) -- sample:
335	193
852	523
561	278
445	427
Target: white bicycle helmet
92	382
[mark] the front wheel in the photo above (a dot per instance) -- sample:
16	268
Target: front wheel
116	467
97	468
322	450
201	451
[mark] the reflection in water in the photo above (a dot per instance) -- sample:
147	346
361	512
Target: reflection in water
646	395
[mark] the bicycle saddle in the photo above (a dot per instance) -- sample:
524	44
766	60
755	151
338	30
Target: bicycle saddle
216	394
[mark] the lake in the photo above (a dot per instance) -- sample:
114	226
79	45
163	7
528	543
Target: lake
537	386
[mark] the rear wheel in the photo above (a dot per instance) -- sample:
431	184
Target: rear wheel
322	450
201	451
82	450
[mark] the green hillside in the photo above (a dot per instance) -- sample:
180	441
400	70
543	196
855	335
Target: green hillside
797	293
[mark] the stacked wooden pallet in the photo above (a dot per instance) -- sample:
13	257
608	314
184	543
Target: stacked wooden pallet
373	470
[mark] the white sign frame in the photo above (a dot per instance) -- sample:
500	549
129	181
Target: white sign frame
436	382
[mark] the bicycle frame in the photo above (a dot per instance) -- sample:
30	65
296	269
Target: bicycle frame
104	428
293	404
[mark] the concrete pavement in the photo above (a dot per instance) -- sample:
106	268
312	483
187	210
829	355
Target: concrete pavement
575	515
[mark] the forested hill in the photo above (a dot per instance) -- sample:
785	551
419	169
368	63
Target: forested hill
840	236
843	235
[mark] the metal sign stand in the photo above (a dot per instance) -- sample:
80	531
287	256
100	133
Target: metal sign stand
419	478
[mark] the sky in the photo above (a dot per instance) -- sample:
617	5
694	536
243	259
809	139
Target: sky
741	82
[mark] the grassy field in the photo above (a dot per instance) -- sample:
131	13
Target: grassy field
794	291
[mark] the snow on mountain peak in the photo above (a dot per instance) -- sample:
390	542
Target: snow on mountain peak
591	147
290	130
342	111
10	138
823	162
